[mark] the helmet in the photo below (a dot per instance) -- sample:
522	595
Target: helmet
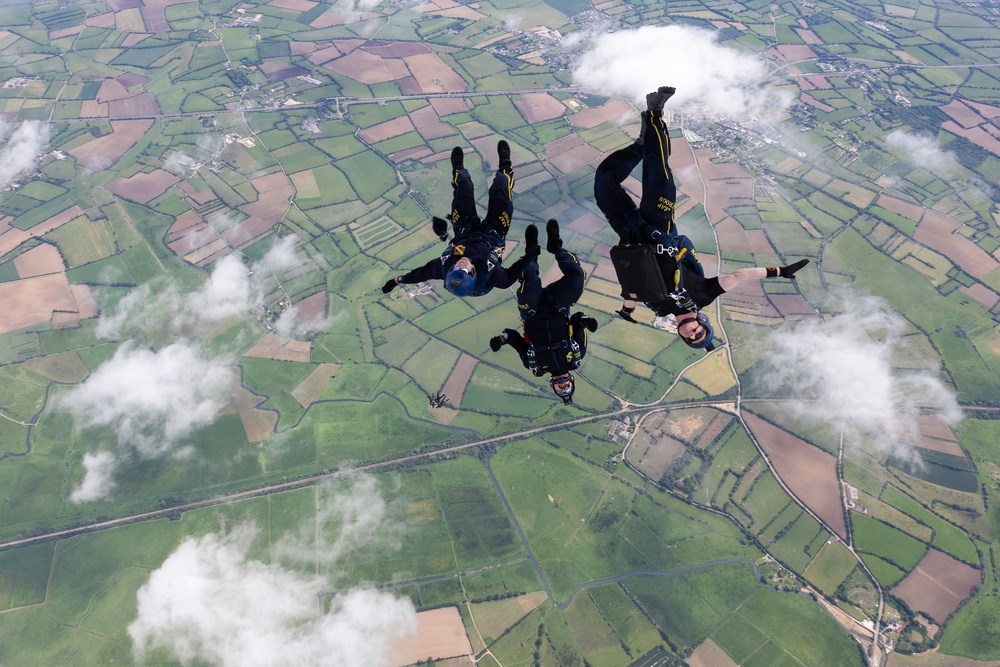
460	282
563	386
706	342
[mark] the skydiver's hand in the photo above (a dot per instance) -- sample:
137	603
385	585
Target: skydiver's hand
589	323
626	314
498	341
440	227
390	285
790	270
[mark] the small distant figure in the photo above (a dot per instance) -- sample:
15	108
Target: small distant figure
438	400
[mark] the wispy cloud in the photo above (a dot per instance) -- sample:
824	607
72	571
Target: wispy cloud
841	372
210	603
152	400
922	150
98	480
709	78
19	146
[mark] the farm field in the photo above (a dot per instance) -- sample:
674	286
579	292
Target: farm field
203	381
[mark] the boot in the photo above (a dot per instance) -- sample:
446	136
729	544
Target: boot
656	100
552	232
457	158
503	152
531	247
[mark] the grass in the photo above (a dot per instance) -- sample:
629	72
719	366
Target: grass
947	536
831	566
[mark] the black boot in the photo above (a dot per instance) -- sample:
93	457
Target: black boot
457	158
656	100
503	152
531	247
552	232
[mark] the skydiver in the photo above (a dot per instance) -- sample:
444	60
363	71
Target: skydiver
471	264
554	341
653	220
690	291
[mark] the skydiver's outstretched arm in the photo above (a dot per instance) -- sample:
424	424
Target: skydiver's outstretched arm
730	280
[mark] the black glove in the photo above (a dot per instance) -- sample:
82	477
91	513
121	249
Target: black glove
389	285
498	341
588	323
440	227
626	314
789	271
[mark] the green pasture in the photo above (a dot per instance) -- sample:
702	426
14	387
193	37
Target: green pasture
402	340
453	311
830	567
764	500
480	529
431	365
973	631
513	578
24	575
874	537
631	628
493	391
947	537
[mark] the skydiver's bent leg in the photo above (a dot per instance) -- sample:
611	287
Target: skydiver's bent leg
609	194
463	203
566	291
529	294
500	207
659	192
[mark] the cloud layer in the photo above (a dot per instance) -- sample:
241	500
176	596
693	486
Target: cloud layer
709	78
19	146
922	150
210	603
841	372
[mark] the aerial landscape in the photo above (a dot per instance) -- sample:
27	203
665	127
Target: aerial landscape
222	443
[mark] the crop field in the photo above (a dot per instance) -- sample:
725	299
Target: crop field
830	567
874	537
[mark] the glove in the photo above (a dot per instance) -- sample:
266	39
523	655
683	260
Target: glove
440	227
684	301
626	314
790	270
588	323
390	285
498	341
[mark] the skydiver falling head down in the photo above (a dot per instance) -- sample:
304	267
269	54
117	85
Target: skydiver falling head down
690	291
653	220
554	341
471	264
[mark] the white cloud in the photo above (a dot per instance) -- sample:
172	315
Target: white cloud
922	150
151	399
19	147
291	323
210	603
357	515
228	294
841	372
97	480
709	78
